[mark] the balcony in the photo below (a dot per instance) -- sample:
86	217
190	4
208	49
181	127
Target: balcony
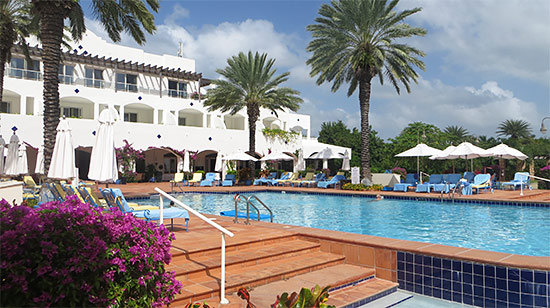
20	73
179	94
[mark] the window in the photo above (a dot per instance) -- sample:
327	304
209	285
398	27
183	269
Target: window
126	82
19	68
130	117
177	89
4	107
72	112
181	121
66	73
94	78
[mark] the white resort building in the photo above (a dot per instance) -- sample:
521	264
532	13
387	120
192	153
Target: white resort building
157	98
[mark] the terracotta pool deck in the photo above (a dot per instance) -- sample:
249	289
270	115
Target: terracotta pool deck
196	260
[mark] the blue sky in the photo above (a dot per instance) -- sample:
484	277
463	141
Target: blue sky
487	61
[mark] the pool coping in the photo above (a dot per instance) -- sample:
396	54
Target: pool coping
331	241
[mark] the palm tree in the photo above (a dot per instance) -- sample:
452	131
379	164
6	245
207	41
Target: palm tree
514	129
357	40
456	134
14	28
249	83
132	16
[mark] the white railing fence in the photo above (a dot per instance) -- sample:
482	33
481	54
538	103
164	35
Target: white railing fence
531	176
223	231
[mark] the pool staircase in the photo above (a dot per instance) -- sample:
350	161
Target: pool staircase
269	262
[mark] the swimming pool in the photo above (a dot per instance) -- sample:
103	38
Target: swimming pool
504	228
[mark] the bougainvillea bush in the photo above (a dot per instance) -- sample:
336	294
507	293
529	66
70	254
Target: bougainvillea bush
68	254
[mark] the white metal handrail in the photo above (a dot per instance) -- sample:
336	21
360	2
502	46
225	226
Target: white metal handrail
531	176
223	231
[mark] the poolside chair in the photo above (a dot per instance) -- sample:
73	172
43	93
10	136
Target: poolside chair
197	178
265	180
117	193
71	190
520	178
209	180
284	176
410	181
469	176
481	181
179	179
427	186
57	191
90	197
308	177
449	182
335	181
229	180
293	177
30	183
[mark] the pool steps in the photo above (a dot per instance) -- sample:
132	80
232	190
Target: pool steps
274	261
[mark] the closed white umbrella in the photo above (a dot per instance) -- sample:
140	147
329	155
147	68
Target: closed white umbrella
13	155
39	169
186	163
300	164
62	165
345	162
2	146
22	164
219	165
506	152
419	150
242	156
103	163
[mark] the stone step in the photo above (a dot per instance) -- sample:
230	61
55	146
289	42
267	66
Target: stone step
362	293
197	265
208	285
389	300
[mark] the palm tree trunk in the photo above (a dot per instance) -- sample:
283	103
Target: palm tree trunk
3	56
364	103
253	112
51	29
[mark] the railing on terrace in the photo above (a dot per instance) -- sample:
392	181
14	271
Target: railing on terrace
223	231
531	176
23	73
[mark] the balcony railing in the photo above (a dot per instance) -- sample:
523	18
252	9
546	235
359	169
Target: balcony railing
23	73
128	87
176	93
66	79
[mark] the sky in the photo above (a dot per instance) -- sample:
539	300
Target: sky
486	61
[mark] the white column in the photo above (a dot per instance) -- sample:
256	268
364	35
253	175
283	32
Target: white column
121	113
96	111
23	105
155	116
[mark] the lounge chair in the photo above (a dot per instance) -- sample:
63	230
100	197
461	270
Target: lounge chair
520	178
90	197
427	186
481	181
293	177
209	180
449	182
117	194
469	176
30	183
229	180
335	181
410	181
179	179
318	177
148	214
197	178
308	177
71	190
284	176
57	191
265	180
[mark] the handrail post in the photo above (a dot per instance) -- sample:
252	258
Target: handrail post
237	196
223	300
161	205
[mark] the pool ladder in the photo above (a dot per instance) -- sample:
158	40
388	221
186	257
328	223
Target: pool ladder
451	194
239	197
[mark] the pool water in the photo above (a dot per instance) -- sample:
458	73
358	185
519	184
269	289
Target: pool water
504	228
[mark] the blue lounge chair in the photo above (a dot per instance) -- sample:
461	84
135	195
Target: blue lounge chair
284	176
209	180
449	182
410	181
267	180
469	176
147	212
481	181
427	186
333	182
520	178
229	180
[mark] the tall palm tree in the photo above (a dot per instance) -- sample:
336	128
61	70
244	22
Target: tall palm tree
515	129
249	83
456	134
357	40
132	16
14	28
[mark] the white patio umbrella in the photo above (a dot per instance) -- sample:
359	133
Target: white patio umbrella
419	150
39	169
62	165
219	164
467	151
326	154
300	164
242	156
443	155
103	163
345	162
22	163
276	156
186	163
2	146
506	152
13	155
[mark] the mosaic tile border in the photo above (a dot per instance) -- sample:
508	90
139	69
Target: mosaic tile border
477	284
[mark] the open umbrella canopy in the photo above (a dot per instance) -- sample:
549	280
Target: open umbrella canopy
506	152
419	150
2	146
13	155
444	153
276	156
327	153
103	163
467	150
239	156
345	162
62	165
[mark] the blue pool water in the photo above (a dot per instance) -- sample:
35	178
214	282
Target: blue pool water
504	228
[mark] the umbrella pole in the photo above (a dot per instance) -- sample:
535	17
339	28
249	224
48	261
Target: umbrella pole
418	165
